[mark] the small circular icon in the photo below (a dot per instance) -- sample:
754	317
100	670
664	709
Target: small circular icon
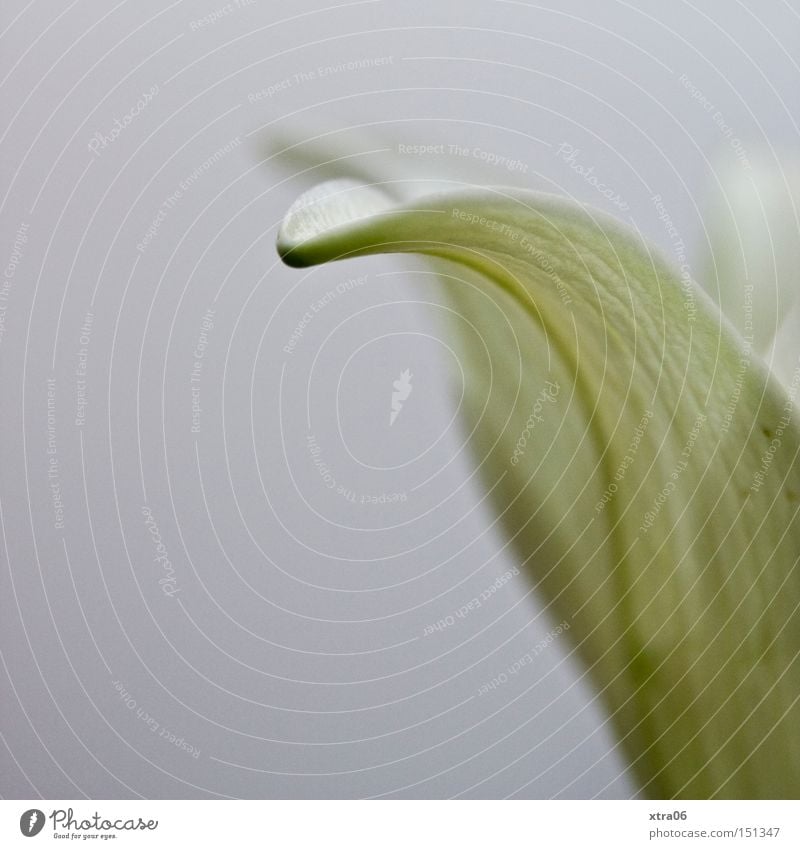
31	822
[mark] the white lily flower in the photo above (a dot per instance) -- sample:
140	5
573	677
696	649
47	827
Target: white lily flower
642	458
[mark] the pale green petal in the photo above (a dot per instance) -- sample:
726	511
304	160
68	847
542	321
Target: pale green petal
784	352
344	154
752	261
647	467
415	163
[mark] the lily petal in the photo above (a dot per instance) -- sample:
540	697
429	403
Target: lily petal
754	253
646	466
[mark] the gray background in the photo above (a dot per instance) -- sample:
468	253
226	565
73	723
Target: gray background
290	655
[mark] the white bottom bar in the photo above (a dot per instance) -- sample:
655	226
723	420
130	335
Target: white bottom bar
401	824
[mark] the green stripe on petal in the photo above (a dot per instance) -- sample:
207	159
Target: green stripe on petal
646	467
